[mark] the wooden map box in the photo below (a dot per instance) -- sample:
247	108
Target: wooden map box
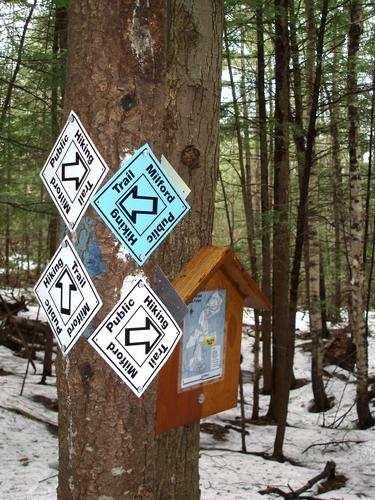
215	270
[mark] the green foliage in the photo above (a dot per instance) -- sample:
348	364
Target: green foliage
26	136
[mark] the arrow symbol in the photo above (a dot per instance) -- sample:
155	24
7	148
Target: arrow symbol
74	171
147	335
66	285
133	204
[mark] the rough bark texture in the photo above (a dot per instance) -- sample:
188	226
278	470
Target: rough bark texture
125	86
266	237
191	124
117	54
357	322
280	283
191	120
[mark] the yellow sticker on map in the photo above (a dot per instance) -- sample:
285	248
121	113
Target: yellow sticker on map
209	341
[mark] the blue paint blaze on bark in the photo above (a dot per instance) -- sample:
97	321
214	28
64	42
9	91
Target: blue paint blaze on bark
88	249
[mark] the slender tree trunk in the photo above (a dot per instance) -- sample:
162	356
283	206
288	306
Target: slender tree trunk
336	184
357	322
245	180
8	96
321	402
323	298
299	132
266	244
227	211
59	42
310	141
282	354
367	209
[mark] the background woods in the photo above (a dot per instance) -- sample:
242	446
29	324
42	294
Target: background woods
266	109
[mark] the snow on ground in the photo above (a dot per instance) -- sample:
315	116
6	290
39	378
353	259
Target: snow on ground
28	450
29	455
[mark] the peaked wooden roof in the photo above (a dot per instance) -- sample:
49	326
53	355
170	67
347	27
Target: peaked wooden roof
193	277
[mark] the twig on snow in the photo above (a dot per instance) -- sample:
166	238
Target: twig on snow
327	472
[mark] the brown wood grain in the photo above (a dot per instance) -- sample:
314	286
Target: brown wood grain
176	408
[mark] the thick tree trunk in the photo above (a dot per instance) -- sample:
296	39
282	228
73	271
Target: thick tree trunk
357	322
108	446
191	124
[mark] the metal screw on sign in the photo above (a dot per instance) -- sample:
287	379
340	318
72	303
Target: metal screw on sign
71	225
201	398
140	284
71	118
146	152
63	348
64	244
141	256
140	388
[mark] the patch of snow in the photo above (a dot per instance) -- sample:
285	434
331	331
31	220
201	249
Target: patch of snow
29	456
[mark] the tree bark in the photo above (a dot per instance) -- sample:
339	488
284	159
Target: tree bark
280	284
357	322
264	193
336	184
108	446
191	124
321	402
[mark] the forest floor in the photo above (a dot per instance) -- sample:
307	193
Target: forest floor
29	455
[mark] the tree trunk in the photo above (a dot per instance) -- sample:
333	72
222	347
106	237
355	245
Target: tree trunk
357	322
336	184
59	42
280	285
264	193
298	129
321	402
191	124
119	94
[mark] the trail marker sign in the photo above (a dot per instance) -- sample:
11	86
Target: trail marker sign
141	204
137	337
73	171
67	296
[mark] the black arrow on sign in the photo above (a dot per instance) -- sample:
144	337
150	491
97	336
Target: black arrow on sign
66	285
147	335
74	171
135	205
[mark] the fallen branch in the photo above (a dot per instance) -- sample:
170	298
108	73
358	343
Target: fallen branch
53	428
333	443
328	472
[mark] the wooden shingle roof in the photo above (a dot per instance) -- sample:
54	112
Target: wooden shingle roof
205	263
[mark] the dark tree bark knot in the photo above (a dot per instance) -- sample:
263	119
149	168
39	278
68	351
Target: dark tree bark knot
190	157
128	102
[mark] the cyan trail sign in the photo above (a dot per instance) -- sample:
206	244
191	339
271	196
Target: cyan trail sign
67	295
137	337
140	204
73	171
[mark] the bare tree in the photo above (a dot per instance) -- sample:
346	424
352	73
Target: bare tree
356	302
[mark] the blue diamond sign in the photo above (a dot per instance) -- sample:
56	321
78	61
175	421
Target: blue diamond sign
140	204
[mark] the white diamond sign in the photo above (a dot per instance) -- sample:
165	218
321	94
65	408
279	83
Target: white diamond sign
73	171
67	295
137	337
